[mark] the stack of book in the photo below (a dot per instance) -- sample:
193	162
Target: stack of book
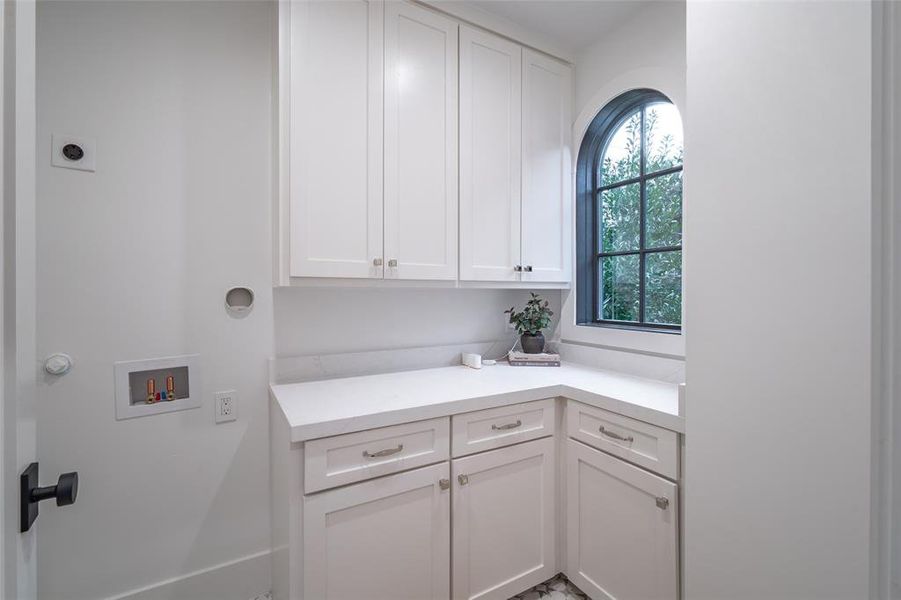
521	359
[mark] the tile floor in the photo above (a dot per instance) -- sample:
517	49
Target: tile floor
557	587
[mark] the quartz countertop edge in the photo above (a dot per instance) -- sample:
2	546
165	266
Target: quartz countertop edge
327	407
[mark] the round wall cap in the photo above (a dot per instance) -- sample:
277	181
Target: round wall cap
58	364
239	300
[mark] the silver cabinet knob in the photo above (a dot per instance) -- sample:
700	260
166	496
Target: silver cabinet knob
463	479
376	262
392	262
518	268
528	268
662	503
444	484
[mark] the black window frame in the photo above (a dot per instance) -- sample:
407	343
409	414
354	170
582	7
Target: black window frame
589	254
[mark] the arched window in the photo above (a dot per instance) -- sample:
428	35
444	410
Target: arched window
629	215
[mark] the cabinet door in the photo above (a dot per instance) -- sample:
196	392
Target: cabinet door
490	156
388	538
504	520
336	138
547	170
622	532
420	143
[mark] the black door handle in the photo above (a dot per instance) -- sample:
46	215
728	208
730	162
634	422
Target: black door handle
65	491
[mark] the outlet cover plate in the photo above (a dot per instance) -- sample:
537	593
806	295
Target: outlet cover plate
226	406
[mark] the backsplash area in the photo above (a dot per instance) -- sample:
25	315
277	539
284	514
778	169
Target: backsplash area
310	367
324	333
316	321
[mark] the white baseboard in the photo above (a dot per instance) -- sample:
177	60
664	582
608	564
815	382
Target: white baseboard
241	579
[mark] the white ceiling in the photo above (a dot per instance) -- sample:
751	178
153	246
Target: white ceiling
573	24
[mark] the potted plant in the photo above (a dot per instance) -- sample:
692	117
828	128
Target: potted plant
529	323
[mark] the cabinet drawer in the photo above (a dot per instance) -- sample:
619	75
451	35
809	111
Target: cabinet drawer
646	445
343	459
497	427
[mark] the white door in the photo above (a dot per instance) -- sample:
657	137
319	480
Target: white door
622	532
336	138
547	170
18	553
504	520
490	156
384	539
420	143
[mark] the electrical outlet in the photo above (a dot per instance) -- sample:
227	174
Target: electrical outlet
226	406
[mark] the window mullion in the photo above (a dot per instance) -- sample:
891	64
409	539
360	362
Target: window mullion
641	219
596	285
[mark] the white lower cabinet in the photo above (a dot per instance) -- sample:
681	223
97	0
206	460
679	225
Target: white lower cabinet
367	521
504	520
388	538
622	528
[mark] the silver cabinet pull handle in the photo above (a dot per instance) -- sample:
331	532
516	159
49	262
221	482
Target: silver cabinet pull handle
444	484
616	436
385	452
392	262
662	502
463	479
376	262
496	427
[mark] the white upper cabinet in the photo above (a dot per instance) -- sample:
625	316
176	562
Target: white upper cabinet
515	162
335	139
376	179
490	156
420	143
547	171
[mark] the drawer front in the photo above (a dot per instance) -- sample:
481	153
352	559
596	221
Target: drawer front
646	445
497	427
343	459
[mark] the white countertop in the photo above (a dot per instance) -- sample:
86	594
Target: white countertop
316	409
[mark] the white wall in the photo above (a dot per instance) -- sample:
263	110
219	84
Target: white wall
328	320
652	39
646	51
778	231
133	262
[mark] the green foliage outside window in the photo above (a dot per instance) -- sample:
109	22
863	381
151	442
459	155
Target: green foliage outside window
620	219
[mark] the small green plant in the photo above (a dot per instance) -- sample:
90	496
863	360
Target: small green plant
533	318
